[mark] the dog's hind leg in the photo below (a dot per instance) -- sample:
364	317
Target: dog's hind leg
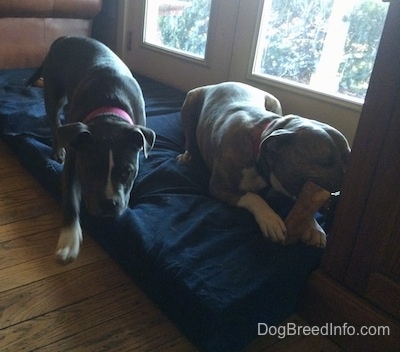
190	114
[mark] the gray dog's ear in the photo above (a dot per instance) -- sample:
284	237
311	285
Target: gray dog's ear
73	134
341	142
279	133
276	140
270	149
144	137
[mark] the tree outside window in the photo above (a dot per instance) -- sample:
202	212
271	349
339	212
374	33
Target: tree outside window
179	25
328	45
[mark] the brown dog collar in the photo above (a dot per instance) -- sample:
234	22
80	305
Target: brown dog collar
109	111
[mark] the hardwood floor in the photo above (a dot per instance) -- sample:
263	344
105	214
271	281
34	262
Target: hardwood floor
90	305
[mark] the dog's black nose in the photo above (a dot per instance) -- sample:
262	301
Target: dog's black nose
110	206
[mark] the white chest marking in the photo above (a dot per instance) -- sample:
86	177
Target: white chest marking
251	180
109	188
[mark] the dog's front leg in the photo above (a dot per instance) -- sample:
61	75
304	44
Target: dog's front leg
71	233
271	225
226	188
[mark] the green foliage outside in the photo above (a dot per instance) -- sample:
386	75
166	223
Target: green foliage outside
187	32
295	38
362	42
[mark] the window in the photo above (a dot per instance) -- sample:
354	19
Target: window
180	25
326	45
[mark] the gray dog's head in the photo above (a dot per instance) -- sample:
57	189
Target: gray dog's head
106	162
295	149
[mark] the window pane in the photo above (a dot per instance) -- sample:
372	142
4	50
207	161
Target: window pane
180	25
328	45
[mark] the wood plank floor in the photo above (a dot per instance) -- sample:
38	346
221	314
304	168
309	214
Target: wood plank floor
90	305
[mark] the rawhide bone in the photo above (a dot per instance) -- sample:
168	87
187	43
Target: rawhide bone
300	223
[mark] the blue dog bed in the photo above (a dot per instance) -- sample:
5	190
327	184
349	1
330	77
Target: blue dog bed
204	263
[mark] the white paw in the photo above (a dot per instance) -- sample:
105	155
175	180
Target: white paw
271	225
69	243
184	158
318	240
314	236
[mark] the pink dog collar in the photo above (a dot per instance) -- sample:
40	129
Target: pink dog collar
109	111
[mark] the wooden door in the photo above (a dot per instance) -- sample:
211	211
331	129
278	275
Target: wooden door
364	249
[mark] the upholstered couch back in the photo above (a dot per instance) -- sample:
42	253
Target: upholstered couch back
29	27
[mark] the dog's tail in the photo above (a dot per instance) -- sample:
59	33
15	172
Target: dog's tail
35	77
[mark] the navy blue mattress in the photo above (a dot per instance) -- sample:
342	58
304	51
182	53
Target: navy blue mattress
204	263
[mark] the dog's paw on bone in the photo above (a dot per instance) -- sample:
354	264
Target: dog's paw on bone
300	223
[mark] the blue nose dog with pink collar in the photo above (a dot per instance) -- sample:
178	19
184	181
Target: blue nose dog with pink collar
102	135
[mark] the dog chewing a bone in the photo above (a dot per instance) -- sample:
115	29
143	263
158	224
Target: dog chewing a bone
103	133
247	144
